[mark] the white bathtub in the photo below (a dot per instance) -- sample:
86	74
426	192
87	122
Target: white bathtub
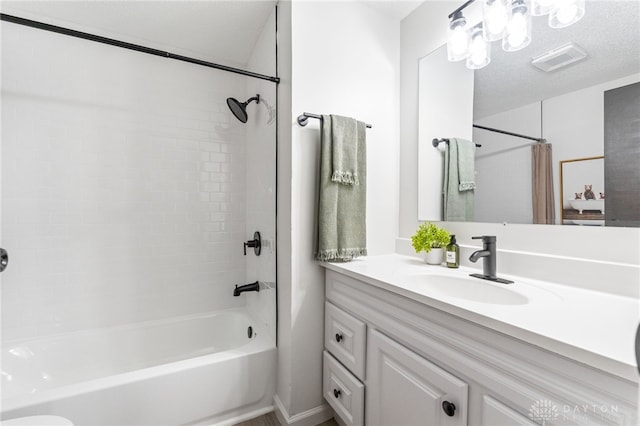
201	369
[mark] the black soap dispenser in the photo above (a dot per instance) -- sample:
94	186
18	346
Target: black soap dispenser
453	253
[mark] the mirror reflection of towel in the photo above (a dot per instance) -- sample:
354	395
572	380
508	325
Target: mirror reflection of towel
466	164
459	181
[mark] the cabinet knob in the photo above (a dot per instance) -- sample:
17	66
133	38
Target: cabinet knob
338	337
4	259
336	393
449	408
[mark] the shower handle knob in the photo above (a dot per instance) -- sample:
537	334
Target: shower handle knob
256	244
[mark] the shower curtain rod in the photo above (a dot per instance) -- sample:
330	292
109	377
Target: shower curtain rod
131	46
504	132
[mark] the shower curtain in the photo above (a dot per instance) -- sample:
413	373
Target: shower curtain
542	184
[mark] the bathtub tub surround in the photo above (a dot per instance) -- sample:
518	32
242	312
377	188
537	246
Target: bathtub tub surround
150	364
128	188
493	352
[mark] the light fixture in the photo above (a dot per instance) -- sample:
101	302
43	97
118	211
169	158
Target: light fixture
541	7
479	49
457	37
518	34
565	13
496	17
509	20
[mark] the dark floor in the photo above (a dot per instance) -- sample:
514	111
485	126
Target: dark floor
271	420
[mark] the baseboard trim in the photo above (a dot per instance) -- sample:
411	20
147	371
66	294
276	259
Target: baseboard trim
310	417
245	416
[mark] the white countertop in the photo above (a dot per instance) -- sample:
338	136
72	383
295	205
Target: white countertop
595	328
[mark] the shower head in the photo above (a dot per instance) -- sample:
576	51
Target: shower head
239	109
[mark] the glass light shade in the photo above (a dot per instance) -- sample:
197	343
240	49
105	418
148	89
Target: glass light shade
457	38
541	7
518	34
566	12
479	50
495	16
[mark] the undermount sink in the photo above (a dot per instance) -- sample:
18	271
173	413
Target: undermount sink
475	290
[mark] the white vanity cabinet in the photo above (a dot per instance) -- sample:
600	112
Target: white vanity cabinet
404	388
402	362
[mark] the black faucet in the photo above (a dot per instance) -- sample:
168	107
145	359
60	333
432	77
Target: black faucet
247	287
488	253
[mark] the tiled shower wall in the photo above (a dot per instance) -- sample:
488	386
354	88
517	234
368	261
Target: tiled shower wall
261	179
123	185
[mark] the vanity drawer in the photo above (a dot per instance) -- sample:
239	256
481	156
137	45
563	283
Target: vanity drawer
345	337
343	391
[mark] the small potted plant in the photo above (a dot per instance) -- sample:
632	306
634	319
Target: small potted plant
430	239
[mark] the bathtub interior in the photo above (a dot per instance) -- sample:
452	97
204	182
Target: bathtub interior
128	190
215	385
223	391
36	365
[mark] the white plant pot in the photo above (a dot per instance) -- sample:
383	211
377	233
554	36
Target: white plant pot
435	256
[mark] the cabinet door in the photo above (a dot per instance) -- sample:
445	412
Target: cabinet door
404	388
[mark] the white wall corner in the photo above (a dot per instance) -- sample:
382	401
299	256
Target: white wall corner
346	90
311	417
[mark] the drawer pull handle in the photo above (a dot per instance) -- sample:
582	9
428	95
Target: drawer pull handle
338	337
336	393
449	408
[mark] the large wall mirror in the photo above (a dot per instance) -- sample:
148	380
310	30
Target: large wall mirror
588	108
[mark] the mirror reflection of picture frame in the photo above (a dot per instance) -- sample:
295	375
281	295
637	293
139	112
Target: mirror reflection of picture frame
582	191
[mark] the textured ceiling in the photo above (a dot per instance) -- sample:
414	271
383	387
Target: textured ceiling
610	34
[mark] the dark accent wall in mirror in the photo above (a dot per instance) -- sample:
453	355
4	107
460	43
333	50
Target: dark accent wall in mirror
622	155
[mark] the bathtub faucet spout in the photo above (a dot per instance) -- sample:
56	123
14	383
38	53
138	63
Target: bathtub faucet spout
247	287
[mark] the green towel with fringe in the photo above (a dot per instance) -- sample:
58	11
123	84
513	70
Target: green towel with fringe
344	150
459	182
341	220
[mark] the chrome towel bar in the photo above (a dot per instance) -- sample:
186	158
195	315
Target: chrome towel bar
303	119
